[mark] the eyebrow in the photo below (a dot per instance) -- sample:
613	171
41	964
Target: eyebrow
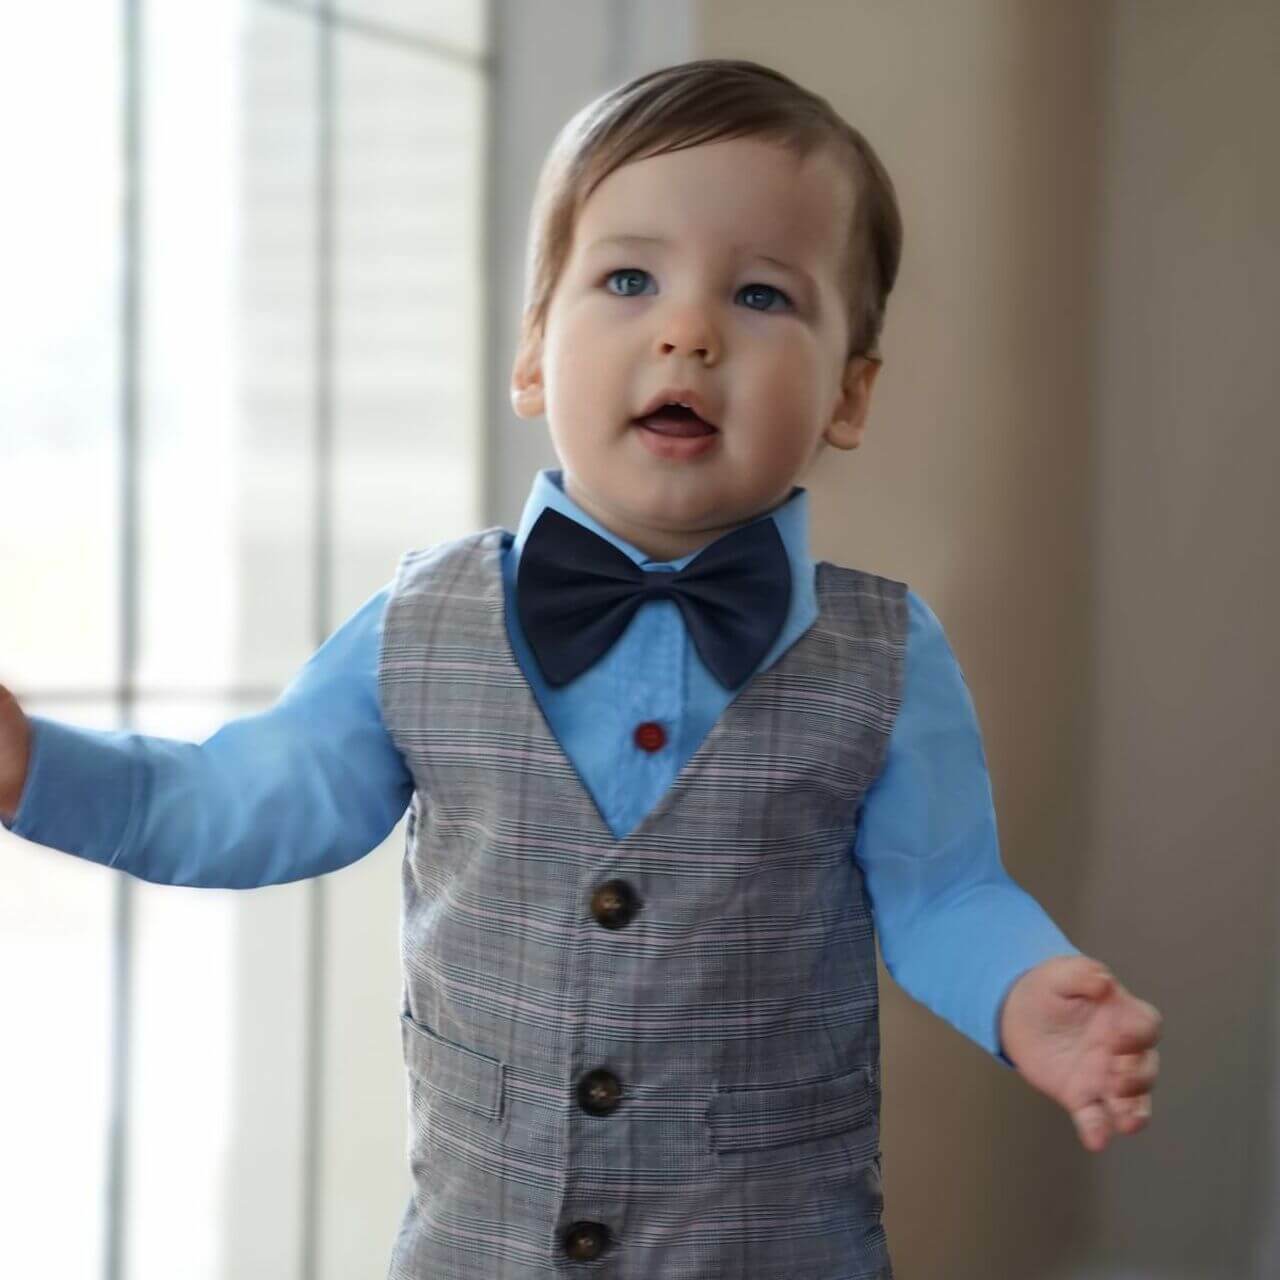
764	257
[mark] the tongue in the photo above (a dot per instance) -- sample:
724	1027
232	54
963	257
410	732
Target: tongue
671	425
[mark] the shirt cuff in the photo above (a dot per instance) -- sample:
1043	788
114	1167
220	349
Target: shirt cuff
80	794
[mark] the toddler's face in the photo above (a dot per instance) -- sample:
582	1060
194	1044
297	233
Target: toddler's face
761	343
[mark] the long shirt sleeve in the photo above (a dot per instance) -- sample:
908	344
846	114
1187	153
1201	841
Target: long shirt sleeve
307	786
955	931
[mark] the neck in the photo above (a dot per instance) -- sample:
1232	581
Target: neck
658	543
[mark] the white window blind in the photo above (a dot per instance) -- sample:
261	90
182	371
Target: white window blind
242	246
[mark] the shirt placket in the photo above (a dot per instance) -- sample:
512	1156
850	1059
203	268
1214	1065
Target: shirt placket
651	700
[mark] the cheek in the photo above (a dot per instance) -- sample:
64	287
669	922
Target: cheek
582	346
589	315
786	383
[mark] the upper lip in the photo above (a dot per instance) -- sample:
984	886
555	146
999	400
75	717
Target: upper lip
680	395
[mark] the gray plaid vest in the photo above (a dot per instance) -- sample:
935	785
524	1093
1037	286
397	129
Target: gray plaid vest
651	1058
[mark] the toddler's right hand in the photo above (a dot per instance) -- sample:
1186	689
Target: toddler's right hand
15	751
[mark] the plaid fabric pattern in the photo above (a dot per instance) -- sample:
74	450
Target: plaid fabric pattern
737	1008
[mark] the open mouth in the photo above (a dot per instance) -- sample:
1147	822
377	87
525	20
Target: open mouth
676	420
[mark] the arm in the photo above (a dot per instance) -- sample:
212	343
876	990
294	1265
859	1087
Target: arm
966	941
955	931
303	788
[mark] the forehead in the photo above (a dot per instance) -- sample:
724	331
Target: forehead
742	191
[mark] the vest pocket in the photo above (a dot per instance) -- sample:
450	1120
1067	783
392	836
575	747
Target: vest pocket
470	1079
756	1118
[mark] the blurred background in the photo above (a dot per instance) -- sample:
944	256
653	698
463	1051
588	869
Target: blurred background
261	267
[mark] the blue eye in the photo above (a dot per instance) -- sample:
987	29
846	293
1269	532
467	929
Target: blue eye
749	288
768	288
626	271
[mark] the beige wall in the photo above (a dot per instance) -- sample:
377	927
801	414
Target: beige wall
1073	458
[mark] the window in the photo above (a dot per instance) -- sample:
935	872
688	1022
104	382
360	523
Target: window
242	323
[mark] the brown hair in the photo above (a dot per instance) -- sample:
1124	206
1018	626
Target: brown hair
706	101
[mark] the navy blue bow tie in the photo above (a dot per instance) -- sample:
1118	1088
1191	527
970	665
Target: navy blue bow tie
576	593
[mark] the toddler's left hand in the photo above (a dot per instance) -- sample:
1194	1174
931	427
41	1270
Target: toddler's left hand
1078	1036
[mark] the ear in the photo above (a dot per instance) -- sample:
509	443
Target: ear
849	419
528	395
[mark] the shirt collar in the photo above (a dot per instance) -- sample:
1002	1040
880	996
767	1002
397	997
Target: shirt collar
790	517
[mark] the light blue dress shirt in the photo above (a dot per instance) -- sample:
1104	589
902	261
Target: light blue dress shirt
313	783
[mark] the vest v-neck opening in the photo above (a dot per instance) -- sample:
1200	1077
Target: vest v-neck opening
495	543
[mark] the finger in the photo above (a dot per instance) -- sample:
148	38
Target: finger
1140	1015
1155	1019
1134	1073
1129	1115
1093	1124
1080	976
1133	1029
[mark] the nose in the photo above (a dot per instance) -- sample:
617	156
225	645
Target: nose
687	330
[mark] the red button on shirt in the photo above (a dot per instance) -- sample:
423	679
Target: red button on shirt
650	735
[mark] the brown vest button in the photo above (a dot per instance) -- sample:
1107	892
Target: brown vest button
599	1092
584	1241
614	904
650	735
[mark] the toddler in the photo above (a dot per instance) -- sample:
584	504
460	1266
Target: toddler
667	778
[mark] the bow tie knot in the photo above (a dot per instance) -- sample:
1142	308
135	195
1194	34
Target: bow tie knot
576	593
